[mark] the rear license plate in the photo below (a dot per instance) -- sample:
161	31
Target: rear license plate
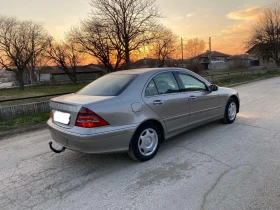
61	117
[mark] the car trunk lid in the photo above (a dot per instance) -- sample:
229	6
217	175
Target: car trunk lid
65	108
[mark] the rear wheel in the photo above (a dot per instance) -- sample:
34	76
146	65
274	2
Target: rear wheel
145	142
230	112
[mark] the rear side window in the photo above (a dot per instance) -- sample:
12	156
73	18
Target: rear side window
108	85
166	83
151	89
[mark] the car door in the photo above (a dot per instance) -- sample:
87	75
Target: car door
203	104
162	94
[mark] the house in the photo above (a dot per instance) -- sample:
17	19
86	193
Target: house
85	73
239	61
154	63
218	60
144	63
259	55
6	76
54	75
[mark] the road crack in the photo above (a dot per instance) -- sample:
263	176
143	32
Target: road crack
215	184
202	153
274	136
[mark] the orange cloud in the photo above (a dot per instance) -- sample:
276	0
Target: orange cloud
239	29
232	39
190	15
250	13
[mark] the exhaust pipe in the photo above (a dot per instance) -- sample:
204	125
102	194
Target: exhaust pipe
55	150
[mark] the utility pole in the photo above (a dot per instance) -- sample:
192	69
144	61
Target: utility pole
182	52
210	51
210	47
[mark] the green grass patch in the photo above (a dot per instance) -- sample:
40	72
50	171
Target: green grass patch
39	90
33	100
23	121
36	91
246	78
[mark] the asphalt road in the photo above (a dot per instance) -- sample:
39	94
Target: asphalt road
213	167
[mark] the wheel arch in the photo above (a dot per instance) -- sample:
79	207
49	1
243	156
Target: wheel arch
237	102
157	123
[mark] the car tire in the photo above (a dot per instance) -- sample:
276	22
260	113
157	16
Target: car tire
230	111
145	142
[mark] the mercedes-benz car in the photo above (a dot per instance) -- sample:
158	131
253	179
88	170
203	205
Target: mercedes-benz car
134	111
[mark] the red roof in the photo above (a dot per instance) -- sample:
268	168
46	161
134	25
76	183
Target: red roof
213	54
257	47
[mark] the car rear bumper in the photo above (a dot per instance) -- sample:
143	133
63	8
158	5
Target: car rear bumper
115	140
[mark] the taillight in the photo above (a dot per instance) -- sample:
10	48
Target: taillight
88	119
51	115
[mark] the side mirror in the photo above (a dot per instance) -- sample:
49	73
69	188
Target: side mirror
213	88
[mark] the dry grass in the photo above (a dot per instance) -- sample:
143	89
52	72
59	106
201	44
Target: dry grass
247	78
36	91
39	90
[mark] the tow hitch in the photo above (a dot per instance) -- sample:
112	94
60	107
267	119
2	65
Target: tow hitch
55	150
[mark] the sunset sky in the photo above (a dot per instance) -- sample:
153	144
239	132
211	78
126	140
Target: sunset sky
226	21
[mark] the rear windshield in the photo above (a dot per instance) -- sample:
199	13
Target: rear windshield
108	85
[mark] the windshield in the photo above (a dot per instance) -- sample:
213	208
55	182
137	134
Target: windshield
109	85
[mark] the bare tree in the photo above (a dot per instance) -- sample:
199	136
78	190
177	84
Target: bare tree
39	47
130	21
66	57
194	47
39	60
265	34
164	45
18	41
94	38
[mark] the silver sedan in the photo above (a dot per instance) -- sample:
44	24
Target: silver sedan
134	111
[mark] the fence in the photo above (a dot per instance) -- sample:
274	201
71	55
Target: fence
34	97
34	108
24	109
49	83
214	77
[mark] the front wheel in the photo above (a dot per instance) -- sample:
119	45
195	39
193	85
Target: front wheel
145	142
230	112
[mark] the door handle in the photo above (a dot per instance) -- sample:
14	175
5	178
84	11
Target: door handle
192	98
158	102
